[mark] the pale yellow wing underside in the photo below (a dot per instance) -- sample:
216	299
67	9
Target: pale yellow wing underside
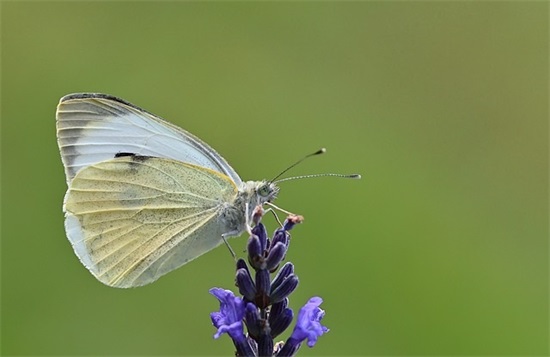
133	219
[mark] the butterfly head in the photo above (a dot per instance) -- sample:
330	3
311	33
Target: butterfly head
257	193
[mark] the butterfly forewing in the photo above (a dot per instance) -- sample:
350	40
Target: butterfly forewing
95	127
133	219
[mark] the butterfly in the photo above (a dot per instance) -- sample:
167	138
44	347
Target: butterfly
144	196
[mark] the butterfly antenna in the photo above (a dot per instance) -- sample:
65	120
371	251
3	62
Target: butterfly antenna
351	176
318	152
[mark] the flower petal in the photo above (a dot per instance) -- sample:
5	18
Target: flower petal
308	322
230	317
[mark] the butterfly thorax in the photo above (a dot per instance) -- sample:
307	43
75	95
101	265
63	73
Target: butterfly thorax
249	195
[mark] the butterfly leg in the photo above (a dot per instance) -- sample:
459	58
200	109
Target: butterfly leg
224	237
275	215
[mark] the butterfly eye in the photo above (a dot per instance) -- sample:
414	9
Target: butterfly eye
264	191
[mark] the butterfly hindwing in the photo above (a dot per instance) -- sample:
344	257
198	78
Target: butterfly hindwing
132	219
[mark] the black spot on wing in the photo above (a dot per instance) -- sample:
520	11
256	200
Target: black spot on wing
123	154
135	157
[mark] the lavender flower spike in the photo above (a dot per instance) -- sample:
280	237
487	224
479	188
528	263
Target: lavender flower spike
308	322
264	307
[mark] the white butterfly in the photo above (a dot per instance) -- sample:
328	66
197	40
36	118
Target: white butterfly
144	196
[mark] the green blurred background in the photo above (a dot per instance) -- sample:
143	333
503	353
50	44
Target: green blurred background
441	248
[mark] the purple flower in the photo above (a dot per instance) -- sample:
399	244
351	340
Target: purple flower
308	323
230	317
